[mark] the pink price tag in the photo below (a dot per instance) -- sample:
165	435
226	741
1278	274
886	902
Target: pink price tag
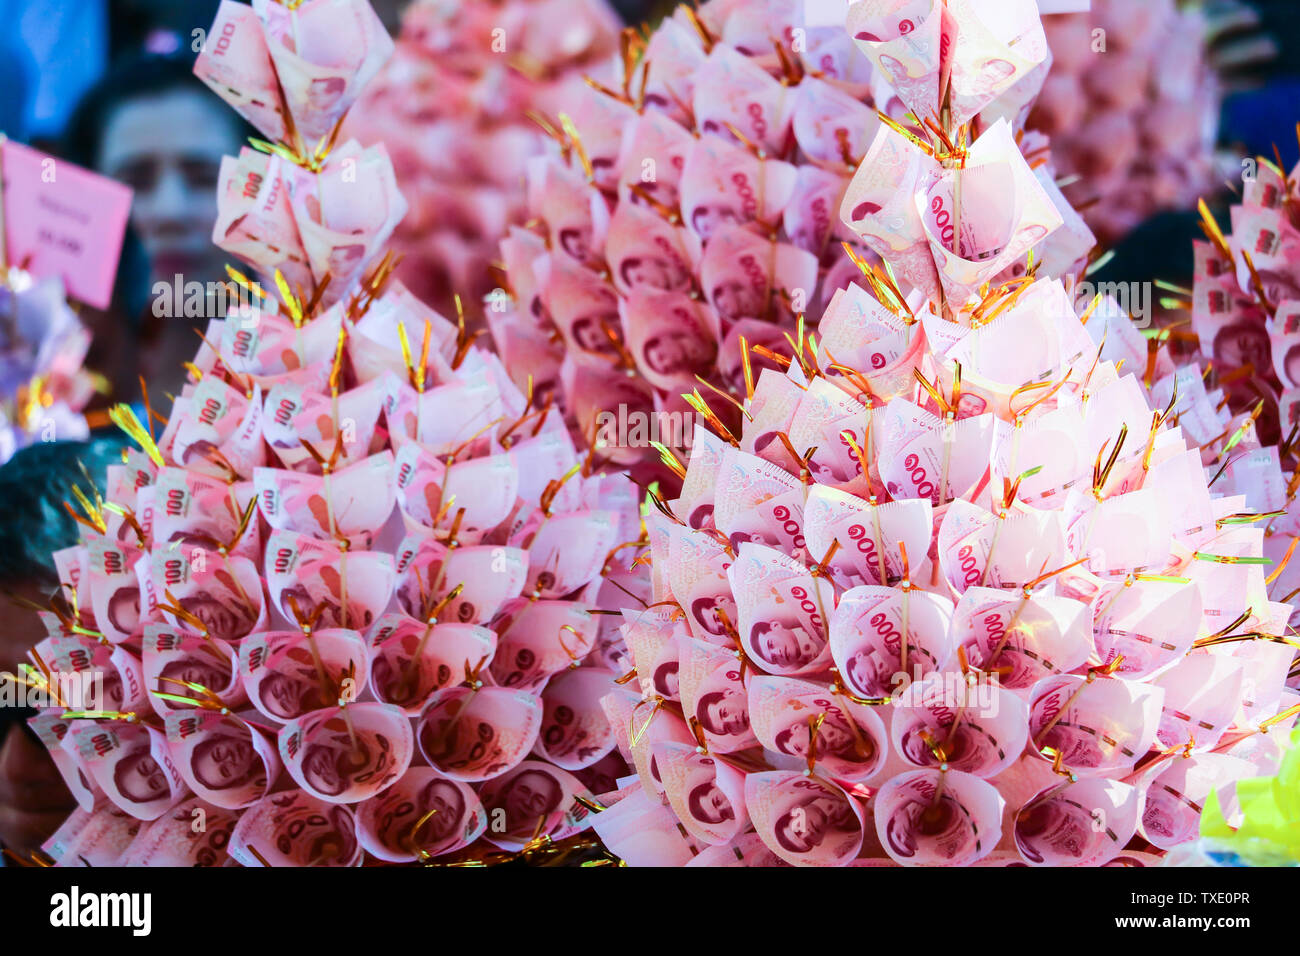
62	220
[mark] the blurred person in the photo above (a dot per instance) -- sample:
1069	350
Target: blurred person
34	801
151	125
33	525
157	26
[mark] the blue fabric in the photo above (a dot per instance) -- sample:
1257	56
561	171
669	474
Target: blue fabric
64	48
1260	118
17	72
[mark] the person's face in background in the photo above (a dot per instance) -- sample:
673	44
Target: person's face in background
652	271
168	149
323	94
590	335
801	832
124	609
192	672
706	219
324	769
725	714
868	673
832	739
23	628
285	696
666	680
576	242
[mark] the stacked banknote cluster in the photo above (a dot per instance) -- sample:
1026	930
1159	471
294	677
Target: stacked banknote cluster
1245	301
684	209
1245	323
690	215
963	586
344	605
43	345
299	202
1131	105
454	109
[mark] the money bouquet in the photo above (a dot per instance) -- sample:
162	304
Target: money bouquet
453	106
686	218
299	203
344	605
1131	105
43	385
1245	326
1245	299
960	589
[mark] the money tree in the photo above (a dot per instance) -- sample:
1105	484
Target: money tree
1245	328
342	602
687	215
1245	324
962	587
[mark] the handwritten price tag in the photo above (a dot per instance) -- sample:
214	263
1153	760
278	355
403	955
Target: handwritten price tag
61	220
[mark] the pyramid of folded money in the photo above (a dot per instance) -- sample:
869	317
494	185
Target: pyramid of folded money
1131	105
342	607
43	385
963	586
689	215
453	109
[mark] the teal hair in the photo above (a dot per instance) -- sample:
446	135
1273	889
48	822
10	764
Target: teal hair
33	486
